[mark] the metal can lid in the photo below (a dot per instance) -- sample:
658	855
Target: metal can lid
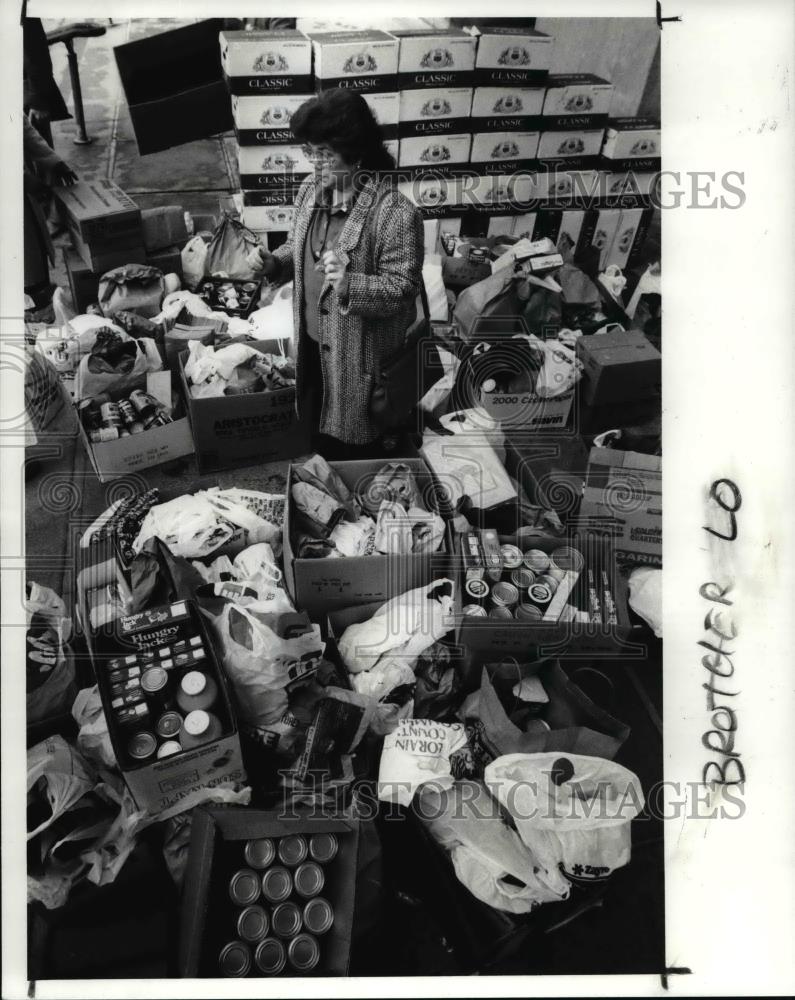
474	610
548	581
293	849
540	593
235	959
309	879
476	588
511	556
154	680
270	957
168	749
252	923
528	613
318	915
323	847
501	612
277	884
260	853
286	920
522	578
504	594
168	725
303	952
194	682
568	558
197	722
244	887
141	746
536	560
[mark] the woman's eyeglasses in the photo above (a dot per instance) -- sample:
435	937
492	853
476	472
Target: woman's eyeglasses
319	155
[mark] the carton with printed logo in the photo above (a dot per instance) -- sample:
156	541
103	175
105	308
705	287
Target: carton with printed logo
435	112
365	61
632	144
508	56
436	57
263	62
268	218
271	166
436	154
385	107
501	109
579	149
576	100
265	120
503	152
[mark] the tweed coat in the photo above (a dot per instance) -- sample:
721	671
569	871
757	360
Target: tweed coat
382	246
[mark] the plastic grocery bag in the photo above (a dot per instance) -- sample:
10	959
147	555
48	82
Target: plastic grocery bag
645	596
115	360
262	653
137	287
57	769
275	320
573	812
416	753
227	254
93	739
560	371
50	672
194	261
44	398
495	296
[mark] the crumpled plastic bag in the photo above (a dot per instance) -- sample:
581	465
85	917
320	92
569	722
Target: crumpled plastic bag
136	287
194	261
159	577
63	775
389	673
417	752
355	538
50	672
645	596
393	482
115	361
228	252
402	532
93	739
275	320
437	688
561	370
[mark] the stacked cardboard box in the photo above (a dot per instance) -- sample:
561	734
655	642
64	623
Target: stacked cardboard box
104	224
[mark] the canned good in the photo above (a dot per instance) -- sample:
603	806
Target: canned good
536	560
527	613
474	611
511	556
109	415
141	746
539	594
293	849
168	725
168	749
522	578
568	559
501	613
235	959
260	853
303	953
286	920
277	884
323	847
504	595
104	434
308	879
549	581
478	590
252	923
318	915
270	957
244	887
154	683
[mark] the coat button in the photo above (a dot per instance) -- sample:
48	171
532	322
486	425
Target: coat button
324	312
326	347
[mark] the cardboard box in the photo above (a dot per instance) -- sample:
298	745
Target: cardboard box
267	61
582	145
507	109
435	57
160	785
528	411
632	141
356	60
272	167
433	192
280	194
251	429
322	585
533	640
111	459
503	152
386	109
268	218
392	146
174	85
508	56
434	154
105	258
618	367
551	469
169	260
218	837
622	496
99	212
525	225
626	188
605	232
83	282
576	100
264	120
624	240
163	227
435	112
568	188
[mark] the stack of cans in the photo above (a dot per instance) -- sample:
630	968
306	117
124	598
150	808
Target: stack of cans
106	420
280	913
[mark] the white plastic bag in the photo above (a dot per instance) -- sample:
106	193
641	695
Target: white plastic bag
645	596
416	753
572	811
93	739
49	629
560	372
194	261
275	320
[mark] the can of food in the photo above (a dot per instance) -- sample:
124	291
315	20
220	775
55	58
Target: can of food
549	581
474	611
293	850
536	560
168	749
270	957
286	920
154	683
568	559
303	953
478	255
109	415
277	884
235	959
168	725
501	613
504	595
511	556
318	915
477	590
522	578
260	853
252	924
527	613
309	879
539	594
104	434
244	887
323	847
142	746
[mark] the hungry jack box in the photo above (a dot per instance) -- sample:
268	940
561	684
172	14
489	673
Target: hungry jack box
508	56
356	60
623	497
261	62
435	58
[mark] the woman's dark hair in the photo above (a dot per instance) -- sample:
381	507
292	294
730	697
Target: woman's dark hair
342	120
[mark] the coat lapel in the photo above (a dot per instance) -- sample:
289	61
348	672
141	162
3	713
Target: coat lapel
352	230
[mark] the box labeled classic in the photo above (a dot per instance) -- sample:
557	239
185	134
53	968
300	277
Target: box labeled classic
576	100
580	147
435	112
632	143
509	56
385	106
266	61
356	60
503	152
276	162
499	109
436	57
435	153
265	120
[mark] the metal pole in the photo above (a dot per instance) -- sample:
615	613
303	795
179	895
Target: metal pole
83	138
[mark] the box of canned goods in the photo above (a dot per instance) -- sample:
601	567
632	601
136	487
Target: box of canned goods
266	896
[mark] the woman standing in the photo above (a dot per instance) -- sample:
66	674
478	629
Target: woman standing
355	258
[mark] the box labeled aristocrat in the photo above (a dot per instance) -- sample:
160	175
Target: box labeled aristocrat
576	100
435	112
266	61
508	56
265	120
503	152
356	60
622	496
501	109
618	367
435	58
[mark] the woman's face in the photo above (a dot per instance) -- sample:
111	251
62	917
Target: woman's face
331	171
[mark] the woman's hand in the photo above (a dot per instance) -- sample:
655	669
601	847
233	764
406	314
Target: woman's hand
62	175
336	272
261	259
